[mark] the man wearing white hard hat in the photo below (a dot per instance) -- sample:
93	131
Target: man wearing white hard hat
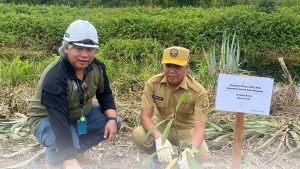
61	114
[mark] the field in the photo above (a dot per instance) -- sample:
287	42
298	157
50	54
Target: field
132	44
280	152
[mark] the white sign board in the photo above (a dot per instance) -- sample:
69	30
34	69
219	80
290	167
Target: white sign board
244	94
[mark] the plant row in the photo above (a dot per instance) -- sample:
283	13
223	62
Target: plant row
165	3
42	27
140	34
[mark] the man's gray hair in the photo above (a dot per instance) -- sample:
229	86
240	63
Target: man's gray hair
61	49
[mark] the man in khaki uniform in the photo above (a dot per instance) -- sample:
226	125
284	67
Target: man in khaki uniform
159	100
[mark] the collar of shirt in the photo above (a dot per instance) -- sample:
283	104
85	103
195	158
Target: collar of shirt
71	71
183	83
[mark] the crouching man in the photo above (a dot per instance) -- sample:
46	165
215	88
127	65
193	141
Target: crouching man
61	114
159	99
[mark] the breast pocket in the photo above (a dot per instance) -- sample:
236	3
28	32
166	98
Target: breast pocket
186	107
162	107
159	103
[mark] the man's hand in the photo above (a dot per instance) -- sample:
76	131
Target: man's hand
72	164
110	130
182	162
164	152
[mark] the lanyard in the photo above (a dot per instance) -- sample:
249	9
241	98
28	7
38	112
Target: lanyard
81	95
81	122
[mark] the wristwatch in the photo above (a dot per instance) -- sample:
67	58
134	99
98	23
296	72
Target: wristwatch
113	118
190	146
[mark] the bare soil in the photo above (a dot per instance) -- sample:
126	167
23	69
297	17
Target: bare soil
123	154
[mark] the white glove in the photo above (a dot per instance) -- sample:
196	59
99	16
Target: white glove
183	163
164	152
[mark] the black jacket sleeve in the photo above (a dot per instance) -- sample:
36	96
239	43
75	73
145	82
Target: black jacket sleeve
54	98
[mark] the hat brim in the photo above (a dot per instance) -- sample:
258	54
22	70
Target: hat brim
86	45
175	62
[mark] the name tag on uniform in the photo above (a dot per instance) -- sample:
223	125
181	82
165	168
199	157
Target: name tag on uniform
157	97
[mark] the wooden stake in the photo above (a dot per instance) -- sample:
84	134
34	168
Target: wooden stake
237	141
286	72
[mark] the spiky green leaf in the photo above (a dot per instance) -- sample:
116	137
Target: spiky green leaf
182	97
166	131
150	131
192	162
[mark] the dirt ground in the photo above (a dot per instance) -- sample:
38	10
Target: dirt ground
123	154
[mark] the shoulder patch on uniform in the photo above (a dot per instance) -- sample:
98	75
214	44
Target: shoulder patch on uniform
157	78
193	84
157	97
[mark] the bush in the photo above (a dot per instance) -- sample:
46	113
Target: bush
136	59
268	66
41	28
142	51
19	71
267	6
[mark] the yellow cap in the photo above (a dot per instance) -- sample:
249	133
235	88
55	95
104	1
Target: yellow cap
176	55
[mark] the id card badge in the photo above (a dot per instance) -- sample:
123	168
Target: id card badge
81	126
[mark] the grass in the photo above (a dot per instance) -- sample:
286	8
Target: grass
279	135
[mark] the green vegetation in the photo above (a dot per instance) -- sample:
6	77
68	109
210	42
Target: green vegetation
269	66
262	35
226	62
132	41
123	3
131	62
20	71
153	3
41	27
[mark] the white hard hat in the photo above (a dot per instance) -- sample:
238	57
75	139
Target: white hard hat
82	33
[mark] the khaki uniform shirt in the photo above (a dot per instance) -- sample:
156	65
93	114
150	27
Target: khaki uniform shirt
158	94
